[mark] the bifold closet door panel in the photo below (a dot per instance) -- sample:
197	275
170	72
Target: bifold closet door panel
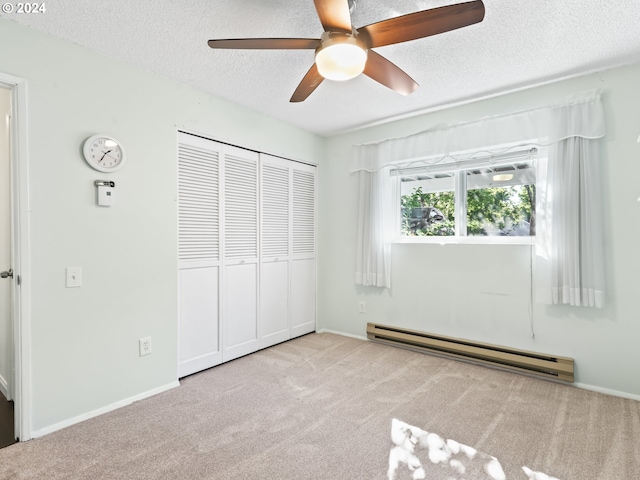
199	320
303	256
275	241
240	252
199	333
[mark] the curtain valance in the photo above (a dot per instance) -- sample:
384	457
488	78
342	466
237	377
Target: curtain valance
578	116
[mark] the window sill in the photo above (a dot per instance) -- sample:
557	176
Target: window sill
468	240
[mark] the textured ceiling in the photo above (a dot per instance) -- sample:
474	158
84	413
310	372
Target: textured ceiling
519	43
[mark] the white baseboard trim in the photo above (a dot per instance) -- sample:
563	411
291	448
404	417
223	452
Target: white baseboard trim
607	391
4	387
103	410
335	332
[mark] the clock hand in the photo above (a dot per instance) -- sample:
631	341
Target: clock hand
105	154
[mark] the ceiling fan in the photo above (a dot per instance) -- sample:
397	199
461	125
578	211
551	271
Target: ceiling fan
344	52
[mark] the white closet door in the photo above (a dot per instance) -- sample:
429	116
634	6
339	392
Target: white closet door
275	204
247	251
199	343
240	319
303	263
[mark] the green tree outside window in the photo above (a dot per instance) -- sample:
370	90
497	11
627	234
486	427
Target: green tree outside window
506	211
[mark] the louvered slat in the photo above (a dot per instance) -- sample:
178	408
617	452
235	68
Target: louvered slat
275	211
241	208
303	212
198	208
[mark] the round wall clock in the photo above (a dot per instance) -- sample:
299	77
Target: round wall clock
103	153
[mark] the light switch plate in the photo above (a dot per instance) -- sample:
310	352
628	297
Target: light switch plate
74	277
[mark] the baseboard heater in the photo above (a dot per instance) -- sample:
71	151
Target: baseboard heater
538	364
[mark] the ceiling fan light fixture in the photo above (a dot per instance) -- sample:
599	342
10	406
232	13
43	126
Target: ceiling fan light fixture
341	58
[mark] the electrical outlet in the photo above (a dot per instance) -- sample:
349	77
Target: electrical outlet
145	346
361	306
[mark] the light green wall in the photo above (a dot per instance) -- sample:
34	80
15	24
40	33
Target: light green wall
84	349
481	292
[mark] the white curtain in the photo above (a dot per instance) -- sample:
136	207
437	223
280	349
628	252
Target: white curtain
569	246
580	115
378	213
569	212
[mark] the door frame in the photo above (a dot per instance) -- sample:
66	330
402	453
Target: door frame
20	223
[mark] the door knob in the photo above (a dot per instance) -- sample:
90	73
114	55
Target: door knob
7	274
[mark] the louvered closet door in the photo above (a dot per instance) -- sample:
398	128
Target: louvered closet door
240	318
303	250
199	254
275	204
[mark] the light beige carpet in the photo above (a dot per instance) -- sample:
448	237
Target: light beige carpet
322	406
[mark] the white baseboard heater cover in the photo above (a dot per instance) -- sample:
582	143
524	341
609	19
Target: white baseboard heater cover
522	361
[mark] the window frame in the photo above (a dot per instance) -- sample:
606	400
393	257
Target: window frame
532	154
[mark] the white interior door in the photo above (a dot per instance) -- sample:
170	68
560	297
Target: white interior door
13	156
6	284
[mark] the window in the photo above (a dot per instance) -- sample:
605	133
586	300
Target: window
428	205
494	197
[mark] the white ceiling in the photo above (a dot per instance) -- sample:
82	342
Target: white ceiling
520	43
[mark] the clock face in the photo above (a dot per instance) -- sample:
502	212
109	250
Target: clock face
103	153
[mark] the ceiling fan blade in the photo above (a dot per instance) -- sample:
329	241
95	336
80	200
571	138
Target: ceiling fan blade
422	24
388	74
308	84
334	15
267	43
